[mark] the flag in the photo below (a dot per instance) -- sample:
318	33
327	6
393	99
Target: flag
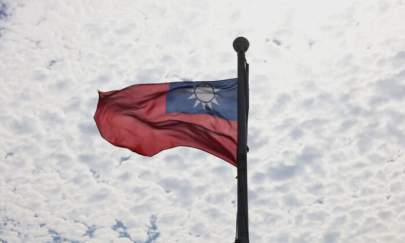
149	118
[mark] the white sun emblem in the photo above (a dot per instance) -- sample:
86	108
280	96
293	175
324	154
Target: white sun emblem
204	95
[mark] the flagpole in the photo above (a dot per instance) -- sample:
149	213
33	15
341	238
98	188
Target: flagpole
241	45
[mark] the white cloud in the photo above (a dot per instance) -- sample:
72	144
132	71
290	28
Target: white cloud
326	122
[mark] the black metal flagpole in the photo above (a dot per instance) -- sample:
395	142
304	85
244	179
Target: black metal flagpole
241	45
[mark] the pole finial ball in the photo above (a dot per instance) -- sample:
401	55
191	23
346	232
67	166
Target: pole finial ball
241	44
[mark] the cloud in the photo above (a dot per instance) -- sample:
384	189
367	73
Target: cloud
284	172
393	87
326	129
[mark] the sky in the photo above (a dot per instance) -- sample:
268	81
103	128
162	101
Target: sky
326	123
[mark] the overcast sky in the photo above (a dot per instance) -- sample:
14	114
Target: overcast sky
326	129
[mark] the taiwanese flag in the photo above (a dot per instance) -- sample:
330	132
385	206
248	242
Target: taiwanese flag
149	118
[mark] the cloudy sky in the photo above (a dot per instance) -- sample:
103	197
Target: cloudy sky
326	129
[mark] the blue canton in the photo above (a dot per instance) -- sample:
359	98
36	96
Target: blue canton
216	98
